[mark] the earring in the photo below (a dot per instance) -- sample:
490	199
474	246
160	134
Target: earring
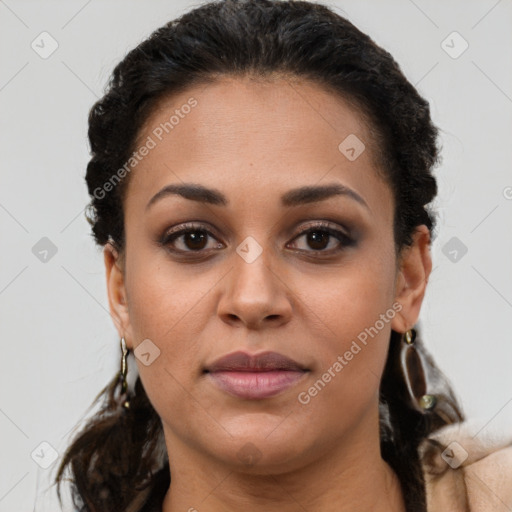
125	400
414	374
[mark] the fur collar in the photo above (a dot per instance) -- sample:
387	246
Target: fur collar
466	472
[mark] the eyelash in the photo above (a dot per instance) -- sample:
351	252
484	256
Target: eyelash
320	227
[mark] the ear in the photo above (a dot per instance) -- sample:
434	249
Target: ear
114	267
414	267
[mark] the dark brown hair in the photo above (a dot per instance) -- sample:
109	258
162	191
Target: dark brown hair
114	458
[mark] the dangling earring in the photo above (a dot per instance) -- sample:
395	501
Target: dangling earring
125	400
414	374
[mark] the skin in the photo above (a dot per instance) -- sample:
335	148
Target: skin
253	141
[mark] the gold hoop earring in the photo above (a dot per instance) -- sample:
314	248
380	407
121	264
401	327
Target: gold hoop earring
125	400
414	374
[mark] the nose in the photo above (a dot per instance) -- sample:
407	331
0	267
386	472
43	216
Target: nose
255	294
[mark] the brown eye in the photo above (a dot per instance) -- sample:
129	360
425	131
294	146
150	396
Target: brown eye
318	240
322	238
195	240
189	239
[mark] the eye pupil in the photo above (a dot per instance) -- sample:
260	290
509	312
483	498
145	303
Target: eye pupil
317	237
195	237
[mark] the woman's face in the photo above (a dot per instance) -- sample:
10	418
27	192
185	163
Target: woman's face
249	278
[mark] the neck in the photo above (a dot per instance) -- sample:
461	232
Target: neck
350	477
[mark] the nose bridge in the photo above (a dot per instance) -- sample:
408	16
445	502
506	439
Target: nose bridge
255	291
253	276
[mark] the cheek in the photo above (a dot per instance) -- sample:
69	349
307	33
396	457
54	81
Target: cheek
353	328
165	299
167	316
346	385
352	300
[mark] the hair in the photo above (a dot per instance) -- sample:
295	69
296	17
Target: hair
116	455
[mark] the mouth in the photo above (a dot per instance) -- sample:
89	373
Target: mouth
255	377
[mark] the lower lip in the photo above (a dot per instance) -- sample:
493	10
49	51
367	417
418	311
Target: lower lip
256	385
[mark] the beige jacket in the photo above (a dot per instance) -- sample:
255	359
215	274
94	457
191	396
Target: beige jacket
465	472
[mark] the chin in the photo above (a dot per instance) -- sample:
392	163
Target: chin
258	454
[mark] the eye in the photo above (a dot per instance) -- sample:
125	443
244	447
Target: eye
191	237
320	237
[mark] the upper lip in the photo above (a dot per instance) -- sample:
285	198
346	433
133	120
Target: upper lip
243	361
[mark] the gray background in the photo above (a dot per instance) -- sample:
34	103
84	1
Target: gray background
59	345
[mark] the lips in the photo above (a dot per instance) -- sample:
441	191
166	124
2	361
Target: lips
242	361
255	377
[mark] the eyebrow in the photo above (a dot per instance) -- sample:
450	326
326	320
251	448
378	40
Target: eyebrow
294	197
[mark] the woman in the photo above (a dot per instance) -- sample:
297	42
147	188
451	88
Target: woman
260	179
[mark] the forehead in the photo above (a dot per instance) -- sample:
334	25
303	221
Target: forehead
242	134
235	110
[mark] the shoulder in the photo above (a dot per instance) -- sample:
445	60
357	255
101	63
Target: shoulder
467	471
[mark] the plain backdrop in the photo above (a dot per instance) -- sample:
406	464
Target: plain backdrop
59	345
